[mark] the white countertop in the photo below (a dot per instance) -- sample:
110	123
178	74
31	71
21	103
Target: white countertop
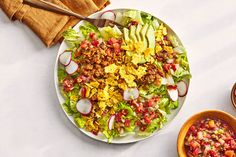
32	123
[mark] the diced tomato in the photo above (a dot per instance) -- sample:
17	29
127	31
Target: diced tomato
226	146
116	47
84	44
81	79
212	153
153	115
196	151
83	92
112	41
167	67
118	117
143	127
68	84
95	43
138	123
217	144
150	102
145	111
172	87
125	112
173	67
194	144
127	122
139	109
232	144
92	36
147	119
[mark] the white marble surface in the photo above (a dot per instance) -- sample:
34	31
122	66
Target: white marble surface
32	123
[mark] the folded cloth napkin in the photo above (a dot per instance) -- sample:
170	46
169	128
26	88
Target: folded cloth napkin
47	25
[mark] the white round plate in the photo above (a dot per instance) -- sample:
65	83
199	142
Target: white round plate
131	137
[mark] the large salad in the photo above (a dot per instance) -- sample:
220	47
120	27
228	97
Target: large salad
117	82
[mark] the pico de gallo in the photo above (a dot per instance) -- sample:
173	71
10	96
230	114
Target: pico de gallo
210	138
117	82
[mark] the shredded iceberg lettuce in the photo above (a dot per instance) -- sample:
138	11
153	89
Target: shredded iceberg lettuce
110	32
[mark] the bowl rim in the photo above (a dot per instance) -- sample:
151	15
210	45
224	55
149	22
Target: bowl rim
201	115
233	95
105	140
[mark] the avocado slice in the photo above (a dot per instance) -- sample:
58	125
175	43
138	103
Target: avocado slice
151	37
126	35
132	34
137	33
143	36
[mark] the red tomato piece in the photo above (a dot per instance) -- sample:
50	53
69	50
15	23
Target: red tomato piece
83	92
127	122
95	43
68	84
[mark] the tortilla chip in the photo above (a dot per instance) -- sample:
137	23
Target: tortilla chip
10	7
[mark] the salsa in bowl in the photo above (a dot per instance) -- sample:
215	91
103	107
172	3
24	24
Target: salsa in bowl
208	134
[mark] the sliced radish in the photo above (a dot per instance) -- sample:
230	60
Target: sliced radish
182	88
131	93
84	106
173	93
111	122
72	67
65	58
110	15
